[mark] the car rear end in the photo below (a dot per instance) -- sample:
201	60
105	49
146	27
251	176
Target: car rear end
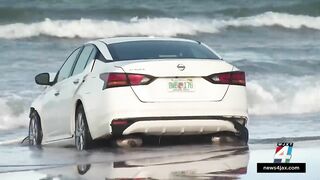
171	96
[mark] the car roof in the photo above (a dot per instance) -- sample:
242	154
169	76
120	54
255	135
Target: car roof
146	38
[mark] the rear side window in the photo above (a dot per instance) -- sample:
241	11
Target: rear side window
100	56
158	49
92	55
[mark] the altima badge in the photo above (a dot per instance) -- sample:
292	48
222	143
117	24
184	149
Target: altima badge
181	67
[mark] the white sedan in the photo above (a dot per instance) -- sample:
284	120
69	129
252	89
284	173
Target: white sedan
130	87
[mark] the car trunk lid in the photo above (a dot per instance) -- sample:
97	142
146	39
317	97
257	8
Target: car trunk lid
178	80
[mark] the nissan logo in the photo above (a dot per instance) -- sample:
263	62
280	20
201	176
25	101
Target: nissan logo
181	67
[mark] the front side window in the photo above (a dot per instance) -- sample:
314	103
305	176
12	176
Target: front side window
66	68
85	55
159	49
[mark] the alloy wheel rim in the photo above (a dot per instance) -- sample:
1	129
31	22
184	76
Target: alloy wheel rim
80	132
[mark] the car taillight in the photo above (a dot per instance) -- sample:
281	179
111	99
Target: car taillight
232	78
123	79
138	79
119	122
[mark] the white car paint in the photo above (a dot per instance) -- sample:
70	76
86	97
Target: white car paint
187	127
57	112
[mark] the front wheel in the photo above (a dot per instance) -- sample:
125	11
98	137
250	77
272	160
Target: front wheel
35	130
82	133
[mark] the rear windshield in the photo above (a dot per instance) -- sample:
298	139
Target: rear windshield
155	49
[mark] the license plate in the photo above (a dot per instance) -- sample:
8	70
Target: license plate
180	85
186	173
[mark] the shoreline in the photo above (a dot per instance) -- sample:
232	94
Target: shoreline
186	160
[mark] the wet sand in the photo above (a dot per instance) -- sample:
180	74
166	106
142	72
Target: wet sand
195	161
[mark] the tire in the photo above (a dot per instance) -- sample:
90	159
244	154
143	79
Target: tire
83	168
239	138
82	134
244	136
35	130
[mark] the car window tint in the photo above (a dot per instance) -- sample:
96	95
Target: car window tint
100	56
156	49
82	60
92	55
66	68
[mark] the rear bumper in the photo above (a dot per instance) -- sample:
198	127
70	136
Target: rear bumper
183	125
122	103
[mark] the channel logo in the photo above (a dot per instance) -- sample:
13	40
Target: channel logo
281	161
283	152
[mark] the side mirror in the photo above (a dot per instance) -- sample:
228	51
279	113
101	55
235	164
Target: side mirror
43	79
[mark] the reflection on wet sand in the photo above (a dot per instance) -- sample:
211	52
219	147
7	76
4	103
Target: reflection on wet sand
204	162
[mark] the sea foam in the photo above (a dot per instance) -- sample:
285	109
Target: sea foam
162	26
275	101
9	119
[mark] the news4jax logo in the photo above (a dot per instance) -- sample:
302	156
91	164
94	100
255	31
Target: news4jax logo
281	163
283	152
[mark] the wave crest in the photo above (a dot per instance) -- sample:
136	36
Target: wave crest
280	101
10	115
89	28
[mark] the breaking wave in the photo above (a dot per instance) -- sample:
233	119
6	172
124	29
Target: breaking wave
277	101
90	28
13	116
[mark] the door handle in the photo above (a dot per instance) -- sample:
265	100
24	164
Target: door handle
76	81
57	93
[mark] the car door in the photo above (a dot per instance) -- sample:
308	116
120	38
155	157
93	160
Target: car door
51	115
67	89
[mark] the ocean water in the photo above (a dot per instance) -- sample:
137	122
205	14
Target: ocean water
275	42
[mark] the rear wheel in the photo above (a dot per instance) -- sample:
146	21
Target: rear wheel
82	134
35	130
241	137
244	135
